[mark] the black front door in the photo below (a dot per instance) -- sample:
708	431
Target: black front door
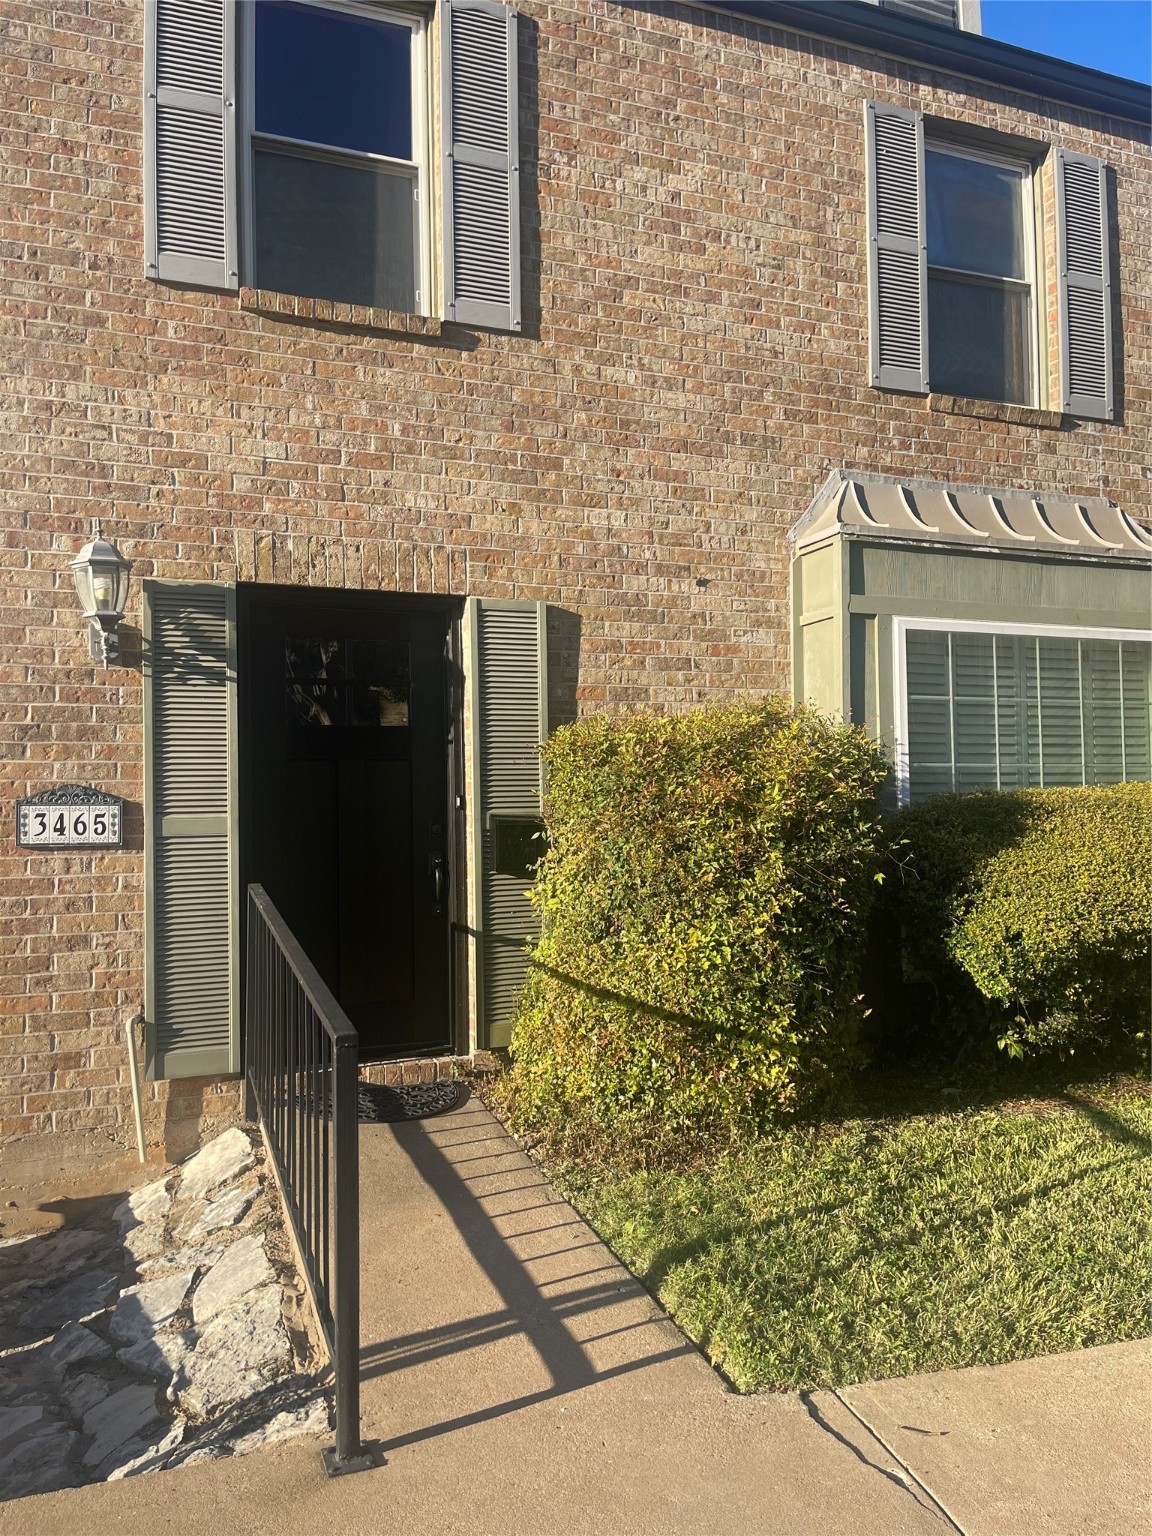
345	720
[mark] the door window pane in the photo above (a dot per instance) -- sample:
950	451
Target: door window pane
979	335
347	682
328	230
333	78
381	682
975	215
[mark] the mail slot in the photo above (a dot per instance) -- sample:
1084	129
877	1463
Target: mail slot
516	844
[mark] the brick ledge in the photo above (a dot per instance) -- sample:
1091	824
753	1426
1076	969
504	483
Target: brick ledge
995	410
288	306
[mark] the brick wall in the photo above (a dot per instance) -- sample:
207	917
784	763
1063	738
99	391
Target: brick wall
694	361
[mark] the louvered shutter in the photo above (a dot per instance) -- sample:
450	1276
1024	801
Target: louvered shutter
481	184
191	991
1085	287
190	142
897	249
509	723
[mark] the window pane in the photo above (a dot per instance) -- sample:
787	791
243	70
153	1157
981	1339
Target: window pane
978	339
924	781
972	666
1016	711
1061	730
1104	717
930	734
333	78
330	231
313	658
381	682
1136	663
311	703
927	663
975	215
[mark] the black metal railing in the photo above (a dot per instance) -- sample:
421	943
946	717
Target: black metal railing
301	1082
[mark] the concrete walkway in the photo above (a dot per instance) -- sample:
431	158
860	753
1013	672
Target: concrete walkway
518	1380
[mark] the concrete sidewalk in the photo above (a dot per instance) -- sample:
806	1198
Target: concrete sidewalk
518	1380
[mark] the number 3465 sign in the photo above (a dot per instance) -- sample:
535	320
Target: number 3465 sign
69	816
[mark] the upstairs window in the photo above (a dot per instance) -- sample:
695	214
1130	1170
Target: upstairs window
325	165
957	304
981	315
337	154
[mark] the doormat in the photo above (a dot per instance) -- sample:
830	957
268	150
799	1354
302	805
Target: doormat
377	1104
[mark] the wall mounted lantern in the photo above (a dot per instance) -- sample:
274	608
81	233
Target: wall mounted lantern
100	572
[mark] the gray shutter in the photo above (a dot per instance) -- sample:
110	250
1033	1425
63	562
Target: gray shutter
190	142
191	988
943	12
509	722
1085	287
897	249
481	184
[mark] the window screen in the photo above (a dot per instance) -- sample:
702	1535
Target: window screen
335	161
979	297
989	711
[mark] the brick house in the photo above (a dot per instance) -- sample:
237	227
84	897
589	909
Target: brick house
444	371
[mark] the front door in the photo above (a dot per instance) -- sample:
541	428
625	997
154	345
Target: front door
345	722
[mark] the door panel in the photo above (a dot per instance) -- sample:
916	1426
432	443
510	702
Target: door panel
376	883
345	705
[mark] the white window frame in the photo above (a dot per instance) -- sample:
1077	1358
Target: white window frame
1030	280
903	623
418	167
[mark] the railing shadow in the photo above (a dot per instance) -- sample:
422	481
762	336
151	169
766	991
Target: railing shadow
527	1307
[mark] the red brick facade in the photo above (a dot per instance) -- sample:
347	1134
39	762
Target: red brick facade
693	362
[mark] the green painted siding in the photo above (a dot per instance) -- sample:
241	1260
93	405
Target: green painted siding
1013	589
846	592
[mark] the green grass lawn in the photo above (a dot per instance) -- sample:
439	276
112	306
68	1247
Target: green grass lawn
903	1240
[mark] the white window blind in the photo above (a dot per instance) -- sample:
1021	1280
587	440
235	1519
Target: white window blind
1013	711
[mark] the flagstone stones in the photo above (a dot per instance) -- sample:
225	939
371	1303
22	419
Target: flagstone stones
244	1267
223	1159
143	1309
152	1335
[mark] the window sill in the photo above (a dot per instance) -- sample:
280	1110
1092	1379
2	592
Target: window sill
995	410
288	306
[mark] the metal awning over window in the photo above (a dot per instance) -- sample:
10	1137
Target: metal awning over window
1014	521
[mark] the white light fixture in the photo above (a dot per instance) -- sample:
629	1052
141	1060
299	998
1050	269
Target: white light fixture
100	572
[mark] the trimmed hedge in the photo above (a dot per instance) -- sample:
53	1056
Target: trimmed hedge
700	900
1028	912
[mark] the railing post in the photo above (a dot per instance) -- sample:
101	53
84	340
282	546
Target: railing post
248	1034
348	1455
308	1111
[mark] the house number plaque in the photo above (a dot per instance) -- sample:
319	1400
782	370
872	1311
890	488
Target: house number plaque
69	816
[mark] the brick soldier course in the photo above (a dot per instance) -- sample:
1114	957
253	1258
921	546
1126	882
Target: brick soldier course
693	362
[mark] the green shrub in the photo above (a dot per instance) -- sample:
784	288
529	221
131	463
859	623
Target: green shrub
700	903
1028	912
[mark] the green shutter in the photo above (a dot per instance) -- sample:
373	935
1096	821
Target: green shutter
897	249
481	181
190	223
1085	286
509	723
191	987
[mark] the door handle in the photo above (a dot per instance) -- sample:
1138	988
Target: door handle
439	880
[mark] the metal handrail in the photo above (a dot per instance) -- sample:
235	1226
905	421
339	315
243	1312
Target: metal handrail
301	1083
